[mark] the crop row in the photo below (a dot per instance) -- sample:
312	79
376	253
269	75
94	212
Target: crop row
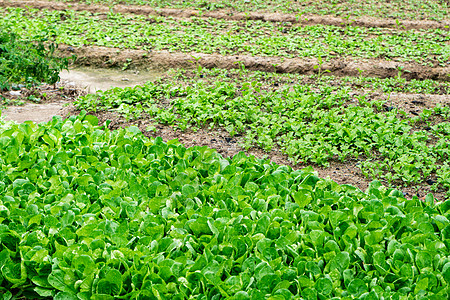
88	213
396	9
257	38
357	84
309	124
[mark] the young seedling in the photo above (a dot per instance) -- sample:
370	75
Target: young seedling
400	72
319	68
360	72
127	64
241	67
197	63
298	17
391	106
360	76
275	67
347	24
399	25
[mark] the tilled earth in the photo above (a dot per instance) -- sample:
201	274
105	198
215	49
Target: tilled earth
113	57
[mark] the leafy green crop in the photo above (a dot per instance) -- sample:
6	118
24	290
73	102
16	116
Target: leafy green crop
88	213
207	35
22	62
312	125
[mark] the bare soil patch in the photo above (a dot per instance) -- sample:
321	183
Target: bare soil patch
114	57
305	19
413	104
34	112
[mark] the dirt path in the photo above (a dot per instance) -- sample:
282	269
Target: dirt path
306	19
48	101
114	57
34	112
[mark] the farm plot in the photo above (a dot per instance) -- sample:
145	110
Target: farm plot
419	53
397	9
89	210
309	119
91	213
301	17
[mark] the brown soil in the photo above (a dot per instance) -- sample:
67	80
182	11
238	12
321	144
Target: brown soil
306	19
413	104
111	57
342	173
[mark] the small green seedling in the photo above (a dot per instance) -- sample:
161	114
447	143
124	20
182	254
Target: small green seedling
197	63
319	67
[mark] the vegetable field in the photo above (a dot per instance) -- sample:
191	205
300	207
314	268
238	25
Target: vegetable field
111	214
290	150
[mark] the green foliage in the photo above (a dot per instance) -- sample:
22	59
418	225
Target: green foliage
225	37
397	9
309	123
88	213
25	62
